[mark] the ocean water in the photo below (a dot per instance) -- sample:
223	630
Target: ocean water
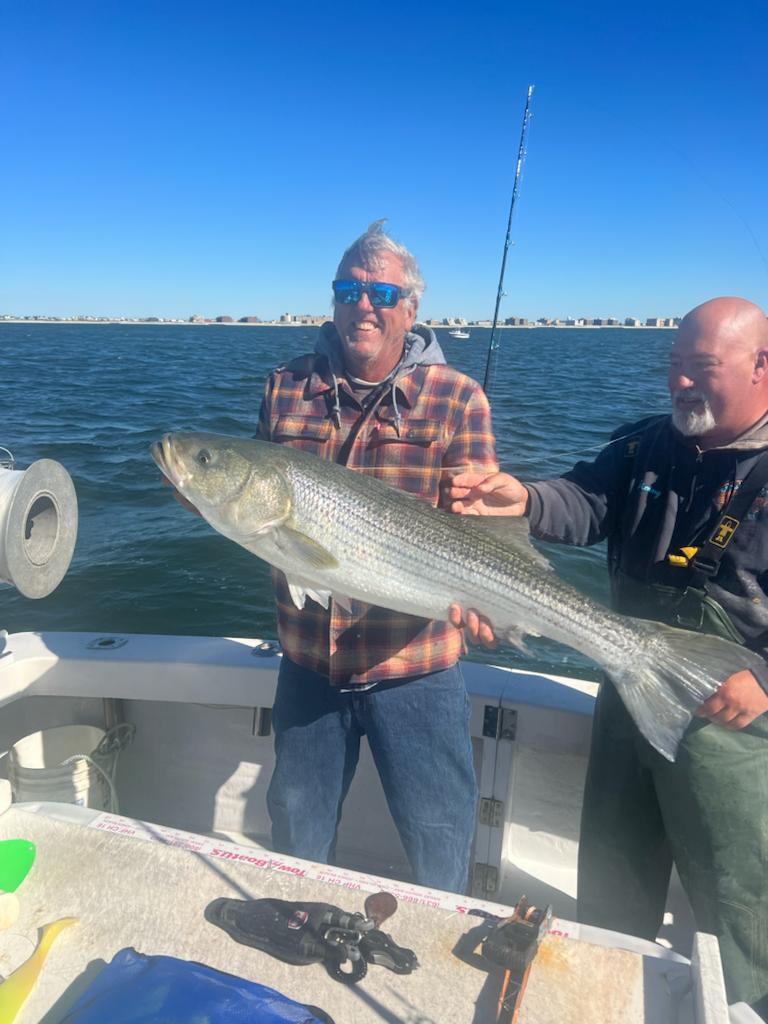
94	396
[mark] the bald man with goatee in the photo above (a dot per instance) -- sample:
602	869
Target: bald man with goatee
682	500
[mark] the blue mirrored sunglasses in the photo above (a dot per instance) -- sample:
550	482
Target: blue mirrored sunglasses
380	294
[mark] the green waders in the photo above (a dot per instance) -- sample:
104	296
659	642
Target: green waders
708	811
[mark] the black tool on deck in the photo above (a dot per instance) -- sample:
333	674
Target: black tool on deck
307	933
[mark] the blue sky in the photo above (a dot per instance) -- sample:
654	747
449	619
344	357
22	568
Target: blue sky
167	158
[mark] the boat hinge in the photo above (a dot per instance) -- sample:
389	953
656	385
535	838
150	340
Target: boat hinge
499	723
485	880
491	812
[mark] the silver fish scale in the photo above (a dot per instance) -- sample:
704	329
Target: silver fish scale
396	550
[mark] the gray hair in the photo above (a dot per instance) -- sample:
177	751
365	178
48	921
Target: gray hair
367	249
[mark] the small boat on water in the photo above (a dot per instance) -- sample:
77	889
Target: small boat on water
458	333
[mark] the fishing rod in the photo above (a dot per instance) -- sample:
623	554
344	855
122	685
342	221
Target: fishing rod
493	346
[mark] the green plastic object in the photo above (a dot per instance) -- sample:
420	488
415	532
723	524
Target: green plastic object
16	858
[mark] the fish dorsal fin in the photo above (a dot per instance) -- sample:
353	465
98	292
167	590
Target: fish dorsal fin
513	532
299	546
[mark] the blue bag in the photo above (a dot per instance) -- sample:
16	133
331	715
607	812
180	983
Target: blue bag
164	990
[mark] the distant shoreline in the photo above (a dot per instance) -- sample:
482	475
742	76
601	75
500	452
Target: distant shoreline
434	327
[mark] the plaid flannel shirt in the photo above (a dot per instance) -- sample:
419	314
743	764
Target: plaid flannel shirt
445	427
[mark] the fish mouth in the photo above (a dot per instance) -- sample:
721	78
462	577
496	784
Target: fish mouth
686	399
163	453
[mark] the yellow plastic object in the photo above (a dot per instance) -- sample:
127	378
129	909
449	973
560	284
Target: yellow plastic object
684	558
15	989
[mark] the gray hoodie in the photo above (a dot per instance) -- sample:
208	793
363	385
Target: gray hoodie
421	349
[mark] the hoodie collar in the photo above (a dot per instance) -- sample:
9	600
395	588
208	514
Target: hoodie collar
421	349
754	438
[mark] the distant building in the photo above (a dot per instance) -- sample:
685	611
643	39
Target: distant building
224	320
515	321
632	321
662	321
249	320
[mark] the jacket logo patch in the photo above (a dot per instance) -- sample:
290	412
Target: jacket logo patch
725	530
653	491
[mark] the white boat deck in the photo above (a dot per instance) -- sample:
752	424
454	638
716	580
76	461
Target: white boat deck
128	888
200	762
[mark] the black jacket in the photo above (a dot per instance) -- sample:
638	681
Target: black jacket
658	496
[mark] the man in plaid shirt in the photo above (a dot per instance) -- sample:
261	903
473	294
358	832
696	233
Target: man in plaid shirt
377	396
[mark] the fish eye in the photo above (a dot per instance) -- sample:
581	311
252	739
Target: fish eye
203	457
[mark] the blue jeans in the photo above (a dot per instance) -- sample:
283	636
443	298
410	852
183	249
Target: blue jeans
418	732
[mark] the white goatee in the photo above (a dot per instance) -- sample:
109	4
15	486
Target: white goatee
690	422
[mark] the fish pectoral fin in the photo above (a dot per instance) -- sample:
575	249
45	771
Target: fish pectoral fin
511	531
299	546
514	635
301	591
253	542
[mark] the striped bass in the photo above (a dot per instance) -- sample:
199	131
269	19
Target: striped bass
340	534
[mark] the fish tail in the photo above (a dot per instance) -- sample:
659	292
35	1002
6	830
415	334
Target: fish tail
671	674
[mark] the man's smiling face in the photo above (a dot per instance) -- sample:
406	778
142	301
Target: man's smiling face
372	338
717	371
